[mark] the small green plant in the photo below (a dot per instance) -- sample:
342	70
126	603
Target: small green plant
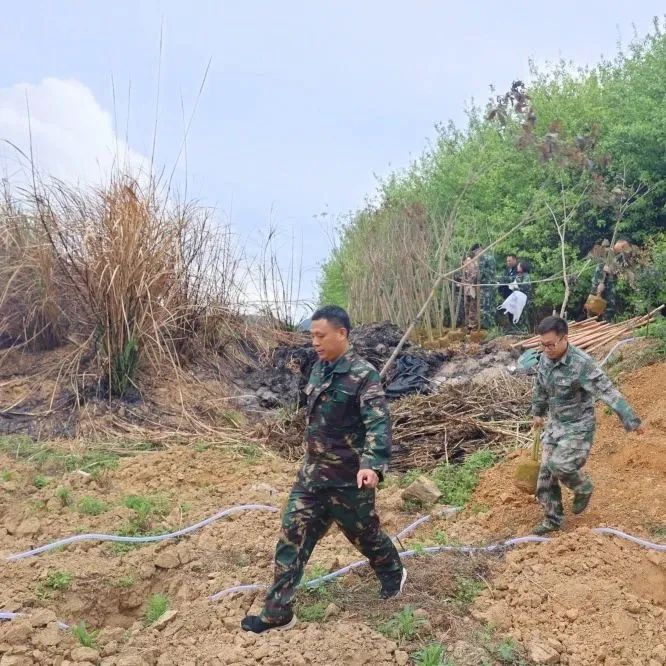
125	581
250	452
659	531
432	655
85	637
90	506
59	580
418	548
457	482
158	604
508	652
412	506
312	612
200	447
40	481
234	418
6	475
146	508
467	589
403	625
442	538
479	508
38	505
123	365
55	581
409	477
64	494
313	572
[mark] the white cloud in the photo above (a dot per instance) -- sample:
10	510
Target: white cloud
73	137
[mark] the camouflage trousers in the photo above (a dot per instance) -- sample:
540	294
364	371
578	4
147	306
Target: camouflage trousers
562	462
471	312
306	518
487	306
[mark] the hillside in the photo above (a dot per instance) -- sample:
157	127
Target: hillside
581	599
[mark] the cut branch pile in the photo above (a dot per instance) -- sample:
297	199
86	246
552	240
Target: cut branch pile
592	335
429	429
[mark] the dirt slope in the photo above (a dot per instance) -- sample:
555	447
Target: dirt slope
582	599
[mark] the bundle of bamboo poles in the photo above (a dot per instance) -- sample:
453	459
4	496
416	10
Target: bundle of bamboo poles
592	335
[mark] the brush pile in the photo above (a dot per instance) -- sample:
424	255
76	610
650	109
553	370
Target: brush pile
594	336
441	426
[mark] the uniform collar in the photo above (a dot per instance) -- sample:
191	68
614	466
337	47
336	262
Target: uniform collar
564	360
342	364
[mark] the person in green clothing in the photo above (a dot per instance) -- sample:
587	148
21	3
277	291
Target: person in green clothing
488	289
606	274
567	385
348	446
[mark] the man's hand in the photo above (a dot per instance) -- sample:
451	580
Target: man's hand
367	478
538	422
601	287
640	430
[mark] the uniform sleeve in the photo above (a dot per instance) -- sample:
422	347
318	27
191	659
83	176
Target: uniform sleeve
597	277
539	398
596	382
377	421
525	285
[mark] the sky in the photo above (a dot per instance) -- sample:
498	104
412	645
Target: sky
304	105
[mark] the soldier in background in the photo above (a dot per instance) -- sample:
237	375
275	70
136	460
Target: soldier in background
348	440
567	385
488	290
470	279
604	279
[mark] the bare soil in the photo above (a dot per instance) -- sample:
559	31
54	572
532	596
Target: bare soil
582	599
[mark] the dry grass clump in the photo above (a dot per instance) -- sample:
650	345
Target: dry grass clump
122	271
31	298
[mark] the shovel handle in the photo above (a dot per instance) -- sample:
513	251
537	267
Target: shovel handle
536	446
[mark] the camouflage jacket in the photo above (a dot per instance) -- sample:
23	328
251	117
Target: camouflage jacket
487	269
524	282
599	276
567	389
348	425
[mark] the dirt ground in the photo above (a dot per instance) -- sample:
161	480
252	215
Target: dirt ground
582	599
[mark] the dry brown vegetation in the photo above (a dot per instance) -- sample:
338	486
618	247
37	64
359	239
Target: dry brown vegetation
131	289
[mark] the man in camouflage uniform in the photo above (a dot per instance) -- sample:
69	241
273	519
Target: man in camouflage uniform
606	273
348	445
488	280
567	385
470	279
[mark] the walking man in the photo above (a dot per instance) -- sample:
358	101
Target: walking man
567	385
348	445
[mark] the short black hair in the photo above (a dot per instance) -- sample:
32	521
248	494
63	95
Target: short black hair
475	247
556	324
515	256
527	266
334	315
